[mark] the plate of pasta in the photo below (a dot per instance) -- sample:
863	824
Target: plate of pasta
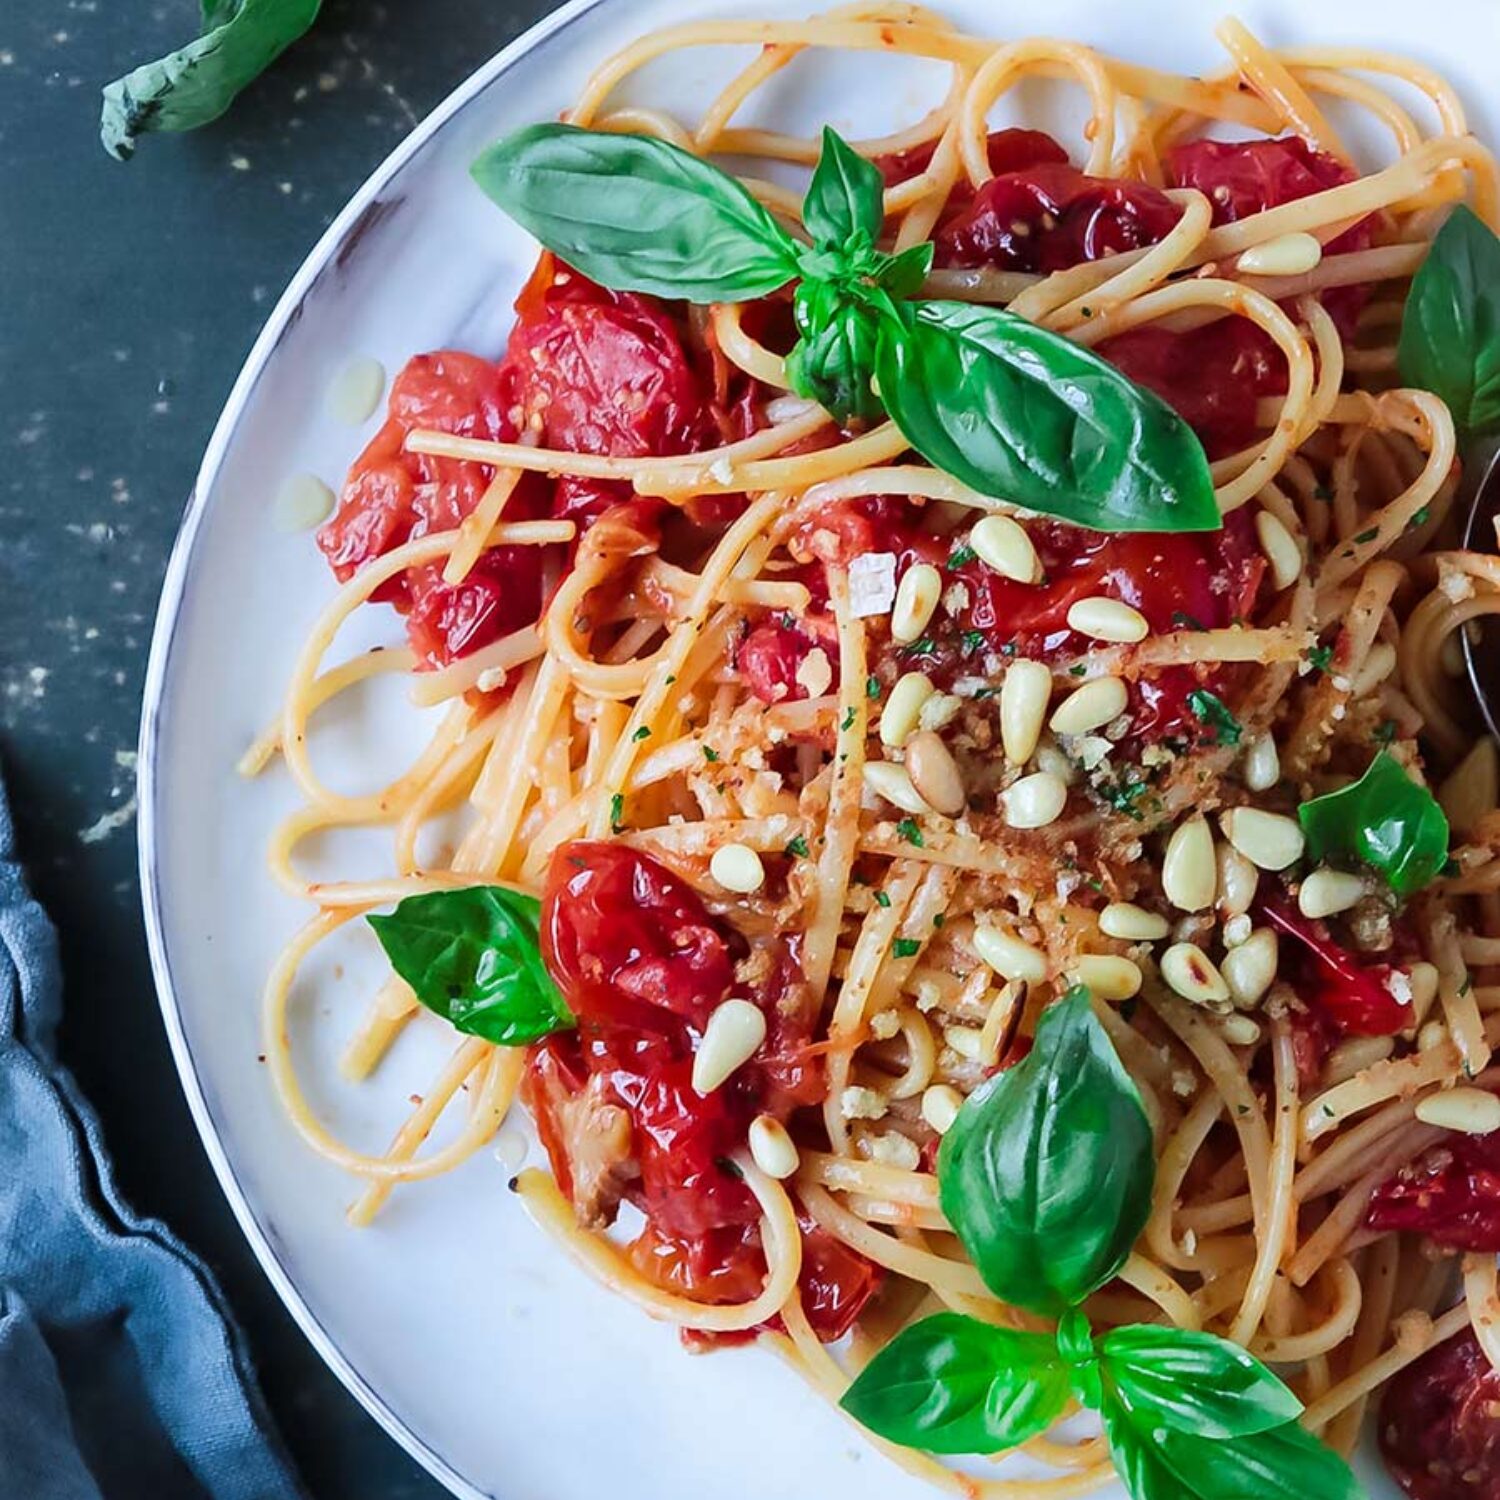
847	638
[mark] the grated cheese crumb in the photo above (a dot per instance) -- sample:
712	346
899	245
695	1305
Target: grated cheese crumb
928	995
872	584
815	673
892	1150
721	471
858	1103
884	1024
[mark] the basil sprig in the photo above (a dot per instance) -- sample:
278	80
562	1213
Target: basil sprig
1450	330
1046	1177
1012	410
1384	820
474	957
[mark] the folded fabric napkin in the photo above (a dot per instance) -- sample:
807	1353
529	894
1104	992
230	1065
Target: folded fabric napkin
121	1374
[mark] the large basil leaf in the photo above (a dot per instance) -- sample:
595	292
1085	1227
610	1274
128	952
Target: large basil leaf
474	957
1450	331
951	1384
1026	416
196	84
1194	1382
637	214
846	197
1285	1463
1385	820
835	356
1046	1174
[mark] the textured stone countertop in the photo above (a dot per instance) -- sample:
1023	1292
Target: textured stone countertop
129	295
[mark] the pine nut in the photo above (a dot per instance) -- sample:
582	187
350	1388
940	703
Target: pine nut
1326	892
1024	696
1002	544
1354	1056
731	1038
1108	620
940	1106
967	1041
1432	1036
1187	868
1107	976
1131	923
1191	973
1091	706
1009	956
1250	969
772	1149
916	597
1238	880
737	867
903	709
1424	987
1269	841
892	782
1239	1031
1050	758
1472	1111
934	773
1262	764
1293	254
939	711
1034	801
1473	786
1237	929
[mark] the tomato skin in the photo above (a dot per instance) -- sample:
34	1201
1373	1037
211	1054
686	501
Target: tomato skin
1450	1193
1440	1424
622	935
1010	150
1348	993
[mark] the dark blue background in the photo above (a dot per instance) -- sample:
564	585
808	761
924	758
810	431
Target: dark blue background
129	295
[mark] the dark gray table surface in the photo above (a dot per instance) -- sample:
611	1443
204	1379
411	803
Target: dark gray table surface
129	295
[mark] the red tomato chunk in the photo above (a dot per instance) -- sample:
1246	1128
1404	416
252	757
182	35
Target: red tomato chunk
1440	1424
1450	1193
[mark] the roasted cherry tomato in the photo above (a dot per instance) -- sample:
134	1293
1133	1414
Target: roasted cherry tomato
621	934
1450	1193
1440	1424
1010	150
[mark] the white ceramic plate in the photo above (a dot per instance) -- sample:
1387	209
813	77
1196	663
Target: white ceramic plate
500	1367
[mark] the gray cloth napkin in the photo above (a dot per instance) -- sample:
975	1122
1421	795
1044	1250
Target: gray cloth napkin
122	1376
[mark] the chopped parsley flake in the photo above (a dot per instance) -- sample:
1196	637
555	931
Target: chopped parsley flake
1008	649
920	647
872	686
1210	708
973	641
1124	795
1420	518
797	848
909	832
1368	536
617	812
960	557
906	947
882	898
710	754
1320	656
1079	670
644	732
1184	621
848	721
938	920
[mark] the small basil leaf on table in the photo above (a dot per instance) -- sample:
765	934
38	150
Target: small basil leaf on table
1384	820
1022	414
832	361
1285	1463
637	214
951	1384
1194	1382
474	957
1046	1174
1450	330
197	83
846	197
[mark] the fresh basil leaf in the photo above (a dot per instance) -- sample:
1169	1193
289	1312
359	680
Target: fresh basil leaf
1384	820
637	214
846	197
474	957
1194	1382
951	1384
835	356
1450	331
1285	1463
1046	1174
1026	416
902	275
197	83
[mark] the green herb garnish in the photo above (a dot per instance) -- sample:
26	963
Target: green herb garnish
1211	709
906	947
908	831
796	848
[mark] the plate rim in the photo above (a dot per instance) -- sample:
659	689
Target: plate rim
153	702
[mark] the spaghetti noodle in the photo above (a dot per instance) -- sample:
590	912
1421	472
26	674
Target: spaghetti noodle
766	716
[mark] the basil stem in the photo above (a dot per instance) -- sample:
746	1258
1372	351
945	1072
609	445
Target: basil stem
637	214
951	1384
474	957
1046	1174
1384	820
197	83
1026	416
1450	329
